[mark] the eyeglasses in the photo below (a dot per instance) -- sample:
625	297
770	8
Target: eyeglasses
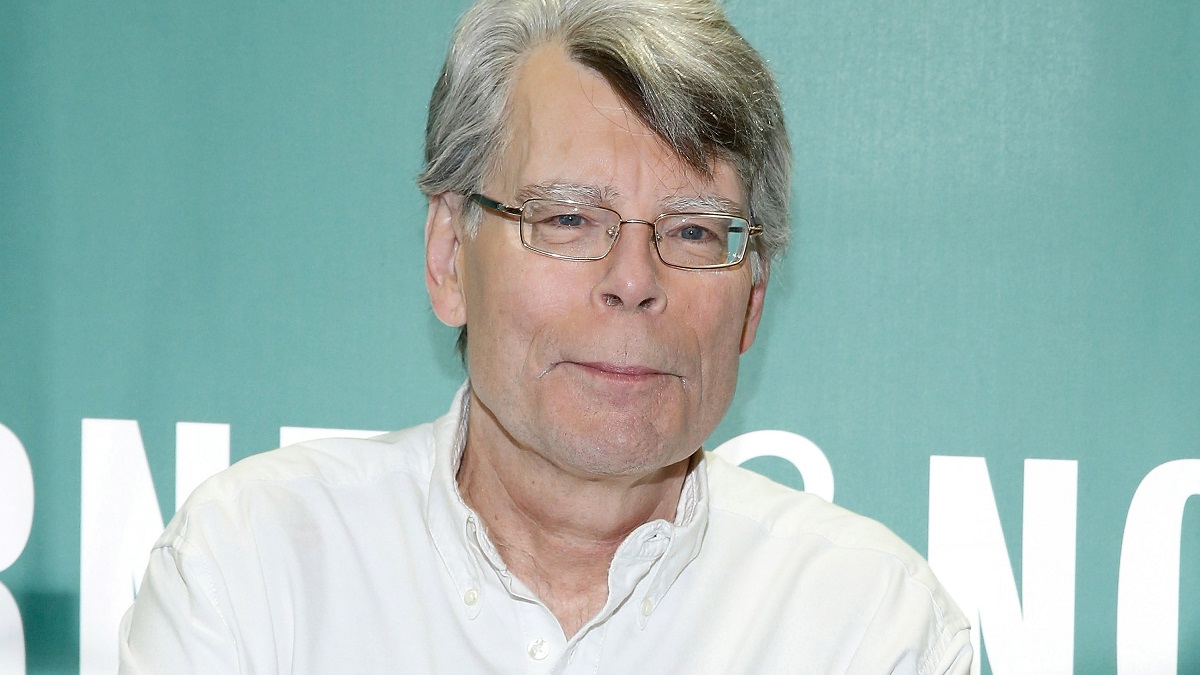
573	231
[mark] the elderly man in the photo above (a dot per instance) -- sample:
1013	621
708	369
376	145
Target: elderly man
607	184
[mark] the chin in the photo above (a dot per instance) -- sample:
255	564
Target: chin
622	456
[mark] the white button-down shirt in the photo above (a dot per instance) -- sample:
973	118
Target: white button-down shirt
360	556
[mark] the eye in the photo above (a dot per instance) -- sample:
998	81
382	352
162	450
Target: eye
694	233
568	220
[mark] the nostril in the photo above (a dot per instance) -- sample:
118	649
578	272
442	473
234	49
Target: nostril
647	303
611	300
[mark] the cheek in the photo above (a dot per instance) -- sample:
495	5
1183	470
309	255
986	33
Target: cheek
720	318
509	306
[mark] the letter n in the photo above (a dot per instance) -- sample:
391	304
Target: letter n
120	520
968	553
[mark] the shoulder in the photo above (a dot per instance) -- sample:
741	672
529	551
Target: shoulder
306	476
862	576
332	461
777	512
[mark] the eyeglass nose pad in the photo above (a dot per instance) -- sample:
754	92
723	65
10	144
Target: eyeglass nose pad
613	230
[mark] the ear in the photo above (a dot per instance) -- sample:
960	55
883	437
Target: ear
754	308
443	239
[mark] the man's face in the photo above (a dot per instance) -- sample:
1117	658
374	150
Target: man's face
616	367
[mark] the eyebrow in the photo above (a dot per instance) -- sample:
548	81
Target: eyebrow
585	194
702	204
606	194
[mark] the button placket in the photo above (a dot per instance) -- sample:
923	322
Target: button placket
470	594
539	649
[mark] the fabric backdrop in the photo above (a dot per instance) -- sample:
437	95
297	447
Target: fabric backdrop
987	325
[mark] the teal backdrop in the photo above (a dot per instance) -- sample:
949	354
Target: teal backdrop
208	214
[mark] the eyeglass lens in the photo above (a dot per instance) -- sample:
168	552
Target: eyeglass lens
588	232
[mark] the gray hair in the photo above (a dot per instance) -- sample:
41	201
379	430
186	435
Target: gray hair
680	65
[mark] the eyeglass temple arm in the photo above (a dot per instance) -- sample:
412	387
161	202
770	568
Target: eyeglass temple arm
492	204
751	229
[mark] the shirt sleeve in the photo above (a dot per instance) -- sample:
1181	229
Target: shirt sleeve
177	624
914	629
956	656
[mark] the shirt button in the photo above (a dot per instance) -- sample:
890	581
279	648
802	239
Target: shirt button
471	597
647	607
538	649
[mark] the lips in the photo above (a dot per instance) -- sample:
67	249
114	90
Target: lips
632	372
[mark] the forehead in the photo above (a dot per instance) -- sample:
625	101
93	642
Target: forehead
567	125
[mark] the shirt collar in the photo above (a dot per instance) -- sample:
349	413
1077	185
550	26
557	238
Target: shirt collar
686	535
459	537
452	525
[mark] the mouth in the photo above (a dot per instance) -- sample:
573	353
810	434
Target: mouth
628	373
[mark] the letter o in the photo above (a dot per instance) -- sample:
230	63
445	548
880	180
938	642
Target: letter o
799	451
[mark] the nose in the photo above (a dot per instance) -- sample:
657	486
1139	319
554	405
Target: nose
631	279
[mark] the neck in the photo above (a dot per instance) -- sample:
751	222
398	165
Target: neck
557	531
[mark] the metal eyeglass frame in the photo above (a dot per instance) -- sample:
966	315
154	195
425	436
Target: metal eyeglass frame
752	230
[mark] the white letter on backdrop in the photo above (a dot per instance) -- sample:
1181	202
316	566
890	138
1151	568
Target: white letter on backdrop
969	555
201	450
1148	585
16	505
119	523
121	520
799	451
293	435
